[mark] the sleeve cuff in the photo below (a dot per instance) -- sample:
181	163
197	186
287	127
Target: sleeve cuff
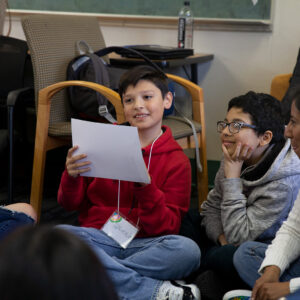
294	284
232	185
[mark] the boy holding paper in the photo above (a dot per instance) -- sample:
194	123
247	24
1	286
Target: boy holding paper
133	226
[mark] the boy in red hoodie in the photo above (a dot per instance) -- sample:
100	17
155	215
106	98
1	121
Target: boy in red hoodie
143	267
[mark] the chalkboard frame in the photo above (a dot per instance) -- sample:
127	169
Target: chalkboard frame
164	22
216	9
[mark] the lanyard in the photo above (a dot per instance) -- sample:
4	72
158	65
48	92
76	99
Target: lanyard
150	154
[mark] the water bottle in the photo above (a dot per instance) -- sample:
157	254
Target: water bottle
185	26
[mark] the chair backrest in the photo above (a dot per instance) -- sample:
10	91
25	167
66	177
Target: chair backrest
3	6
279	85
51	40
15	72
13	55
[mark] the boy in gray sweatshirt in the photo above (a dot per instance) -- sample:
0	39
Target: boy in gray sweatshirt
255	187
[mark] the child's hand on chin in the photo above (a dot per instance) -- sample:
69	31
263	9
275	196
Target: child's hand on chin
233	163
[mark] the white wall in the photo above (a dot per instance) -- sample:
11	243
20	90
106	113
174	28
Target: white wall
243	60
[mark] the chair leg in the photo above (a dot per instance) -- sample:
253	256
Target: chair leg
38	170
202	181
11	153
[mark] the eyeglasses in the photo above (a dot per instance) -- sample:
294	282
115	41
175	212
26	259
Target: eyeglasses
234	127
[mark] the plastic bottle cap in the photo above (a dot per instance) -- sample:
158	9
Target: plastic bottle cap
187	3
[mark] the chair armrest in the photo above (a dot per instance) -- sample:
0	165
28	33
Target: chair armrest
48	92
26	94
279	85
196	93
194	90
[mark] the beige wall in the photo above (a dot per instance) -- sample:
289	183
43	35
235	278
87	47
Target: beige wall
243	60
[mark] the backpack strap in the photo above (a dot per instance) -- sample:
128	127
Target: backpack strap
101	72
80	44
101	75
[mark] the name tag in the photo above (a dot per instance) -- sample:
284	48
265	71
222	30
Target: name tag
120	230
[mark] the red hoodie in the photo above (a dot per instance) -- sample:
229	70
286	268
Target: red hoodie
159	205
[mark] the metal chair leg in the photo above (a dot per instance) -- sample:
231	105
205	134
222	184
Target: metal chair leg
11	153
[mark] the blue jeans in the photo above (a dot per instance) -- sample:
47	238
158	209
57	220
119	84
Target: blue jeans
250	255
10	220
138	271
294	296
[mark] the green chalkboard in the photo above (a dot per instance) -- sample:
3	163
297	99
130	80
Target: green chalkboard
224	9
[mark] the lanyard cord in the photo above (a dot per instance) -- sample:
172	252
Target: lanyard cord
161	132
119	181
119	184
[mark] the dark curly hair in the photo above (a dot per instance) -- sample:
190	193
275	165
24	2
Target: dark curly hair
143	72
265	112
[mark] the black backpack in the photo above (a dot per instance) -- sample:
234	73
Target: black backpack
90	66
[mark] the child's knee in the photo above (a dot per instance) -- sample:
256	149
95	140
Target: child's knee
190	251
29	210
241	253
23	208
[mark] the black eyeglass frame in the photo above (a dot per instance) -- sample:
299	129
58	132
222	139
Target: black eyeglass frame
238	128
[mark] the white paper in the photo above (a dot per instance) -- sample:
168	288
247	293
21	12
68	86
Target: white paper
114	151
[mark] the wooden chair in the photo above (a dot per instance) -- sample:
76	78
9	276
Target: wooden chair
45	142
182	132
279	85
51	41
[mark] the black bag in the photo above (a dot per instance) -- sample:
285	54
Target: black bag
89	66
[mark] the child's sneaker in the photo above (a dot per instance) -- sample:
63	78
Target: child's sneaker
171	290
237	295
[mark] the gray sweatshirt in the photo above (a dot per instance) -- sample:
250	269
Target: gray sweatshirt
252	210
